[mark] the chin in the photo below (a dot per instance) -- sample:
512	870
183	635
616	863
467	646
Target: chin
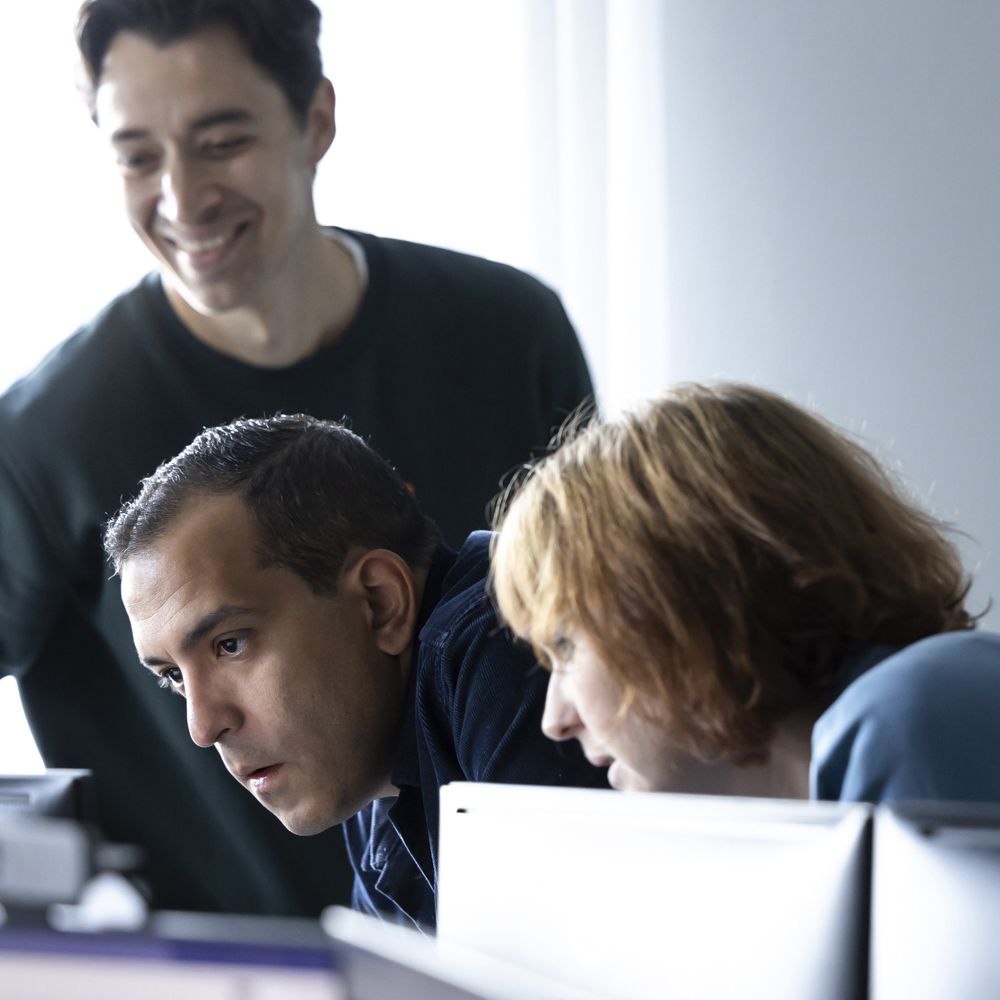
210	301
623	778
311	810
305	828
305	825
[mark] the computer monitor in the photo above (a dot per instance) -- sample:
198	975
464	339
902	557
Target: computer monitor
47	838
659	895
65	793
936	902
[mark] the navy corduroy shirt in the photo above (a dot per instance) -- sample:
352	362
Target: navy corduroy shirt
473	712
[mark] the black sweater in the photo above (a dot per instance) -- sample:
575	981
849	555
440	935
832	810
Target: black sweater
455	369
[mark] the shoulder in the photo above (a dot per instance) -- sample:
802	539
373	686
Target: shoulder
457	280
958	667
84	363
480	693
919	723
58	422
463	610
485	331
419	259
463	648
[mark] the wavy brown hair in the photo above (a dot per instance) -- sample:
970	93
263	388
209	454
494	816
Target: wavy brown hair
722	549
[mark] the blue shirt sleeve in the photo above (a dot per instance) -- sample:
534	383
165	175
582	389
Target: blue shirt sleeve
921	724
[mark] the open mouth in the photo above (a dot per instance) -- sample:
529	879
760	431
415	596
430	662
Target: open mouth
195	247
259	779
205	254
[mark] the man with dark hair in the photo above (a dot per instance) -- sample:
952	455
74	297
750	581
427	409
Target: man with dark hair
281	38
345	664
455	368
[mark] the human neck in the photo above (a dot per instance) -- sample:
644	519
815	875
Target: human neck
314	305
784	775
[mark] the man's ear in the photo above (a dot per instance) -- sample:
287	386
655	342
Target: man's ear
390	593
321	121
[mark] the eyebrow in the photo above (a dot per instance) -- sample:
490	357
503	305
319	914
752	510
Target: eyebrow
199	630
224	116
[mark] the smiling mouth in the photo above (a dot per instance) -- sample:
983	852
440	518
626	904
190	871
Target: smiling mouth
203	254
202	246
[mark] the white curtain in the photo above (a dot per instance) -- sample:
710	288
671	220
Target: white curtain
533	131
610	178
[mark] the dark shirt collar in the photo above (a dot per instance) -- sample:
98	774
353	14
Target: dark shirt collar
405	765
858	659
398	851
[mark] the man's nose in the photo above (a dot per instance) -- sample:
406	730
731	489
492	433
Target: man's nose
211	712
560	720
188	195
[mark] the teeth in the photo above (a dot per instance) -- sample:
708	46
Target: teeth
202	246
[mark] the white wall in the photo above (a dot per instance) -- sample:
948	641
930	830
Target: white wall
833	224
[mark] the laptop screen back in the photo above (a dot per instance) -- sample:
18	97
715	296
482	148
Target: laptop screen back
659	895
936	902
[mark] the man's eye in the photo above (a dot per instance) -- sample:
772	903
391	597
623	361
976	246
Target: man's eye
135	163
226	147
170	679
232	646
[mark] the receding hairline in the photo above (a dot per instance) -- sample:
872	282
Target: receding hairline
148	536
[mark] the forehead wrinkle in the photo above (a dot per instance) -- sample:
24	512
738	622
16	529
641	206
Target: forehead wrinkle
160	602
152	612
199	572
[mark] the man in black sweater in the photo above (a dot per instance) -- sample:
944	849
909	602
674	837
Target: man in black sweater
453	367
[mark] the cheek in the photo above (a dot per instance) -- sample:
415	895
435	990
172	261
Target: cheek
285	693
651	753
299	690
598	700
269	175
140	205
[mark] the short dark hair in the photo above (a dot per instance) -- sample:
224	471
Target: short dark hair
314	487
281	36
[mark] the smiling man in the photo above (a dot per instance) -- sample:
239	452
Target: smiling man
217	116
217	171
344	663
